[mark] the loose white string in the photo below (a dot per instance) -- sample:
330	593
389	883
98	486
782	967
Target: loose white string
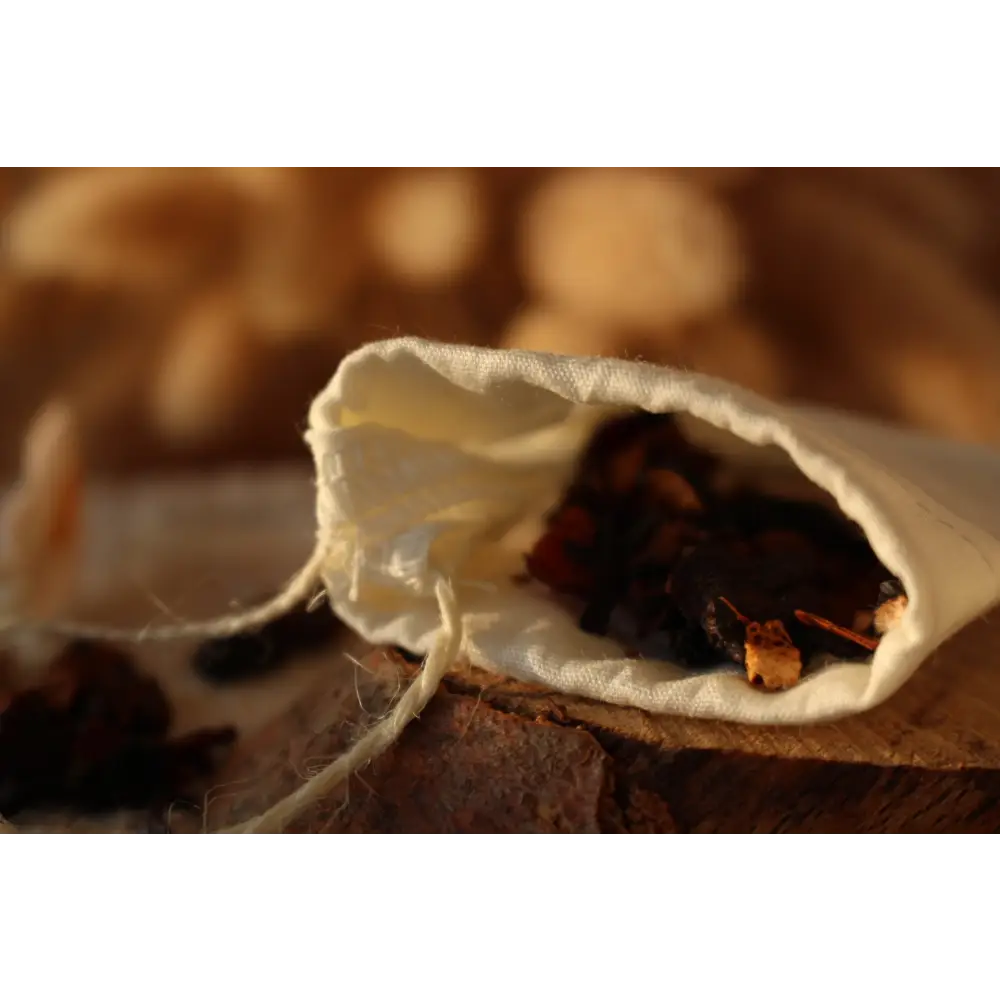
302	586
379	738
299	589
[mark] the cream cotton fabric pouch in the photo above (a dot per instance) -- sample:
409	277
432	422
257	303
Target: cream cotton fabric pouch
428	455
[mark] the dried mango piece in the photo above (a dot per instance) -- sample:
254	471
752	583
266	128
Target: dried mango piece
890	613
770	657
772	660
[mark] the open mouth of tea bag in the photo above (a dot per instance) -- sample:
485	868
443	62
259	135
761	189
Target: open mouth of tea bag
688	545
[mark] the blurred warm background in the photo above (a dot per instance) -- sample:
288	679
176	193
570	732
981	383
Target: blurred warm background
190	315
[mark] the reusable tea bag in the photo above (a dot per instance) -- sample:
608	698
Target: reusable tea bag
429	454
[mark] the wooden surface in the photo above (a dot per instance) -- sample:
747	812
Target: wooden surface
491	754
494	755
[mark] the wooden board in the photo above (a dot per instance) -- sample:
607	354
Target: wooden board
494	755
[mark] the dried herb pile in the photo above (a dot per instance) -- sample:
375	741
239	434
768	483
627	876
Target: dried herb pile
724	575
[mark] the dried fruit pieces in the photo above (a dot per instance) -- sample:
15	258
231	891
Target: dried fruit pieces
646	529
771	659
893	603
93	736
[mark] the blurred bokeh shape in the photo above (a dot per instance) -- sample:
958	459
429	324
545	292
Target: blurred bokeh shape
188	315
632	247
300	258
871	298
426	227
40	518
135	228
207	378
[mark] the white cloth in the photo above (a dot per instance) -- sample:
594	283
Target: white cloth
427	453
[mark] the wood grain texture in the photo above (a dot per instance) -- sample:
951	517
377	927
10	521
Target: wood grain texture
495	755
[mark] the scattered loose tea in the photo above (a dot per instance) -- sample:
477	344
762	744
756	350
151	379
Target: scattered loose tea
644	528
93	736
253	654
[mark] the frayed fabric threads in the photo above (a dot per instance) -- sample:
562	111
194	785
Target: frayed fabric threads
303	586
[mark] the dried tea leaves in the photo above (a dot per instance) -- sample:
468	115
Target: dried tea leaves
723	574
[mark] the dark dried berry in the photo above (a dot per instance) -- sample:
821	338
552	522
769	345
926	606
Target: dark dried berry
150	774
253	654
235	658
106	697
689	645
93	737
35	745
408	655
